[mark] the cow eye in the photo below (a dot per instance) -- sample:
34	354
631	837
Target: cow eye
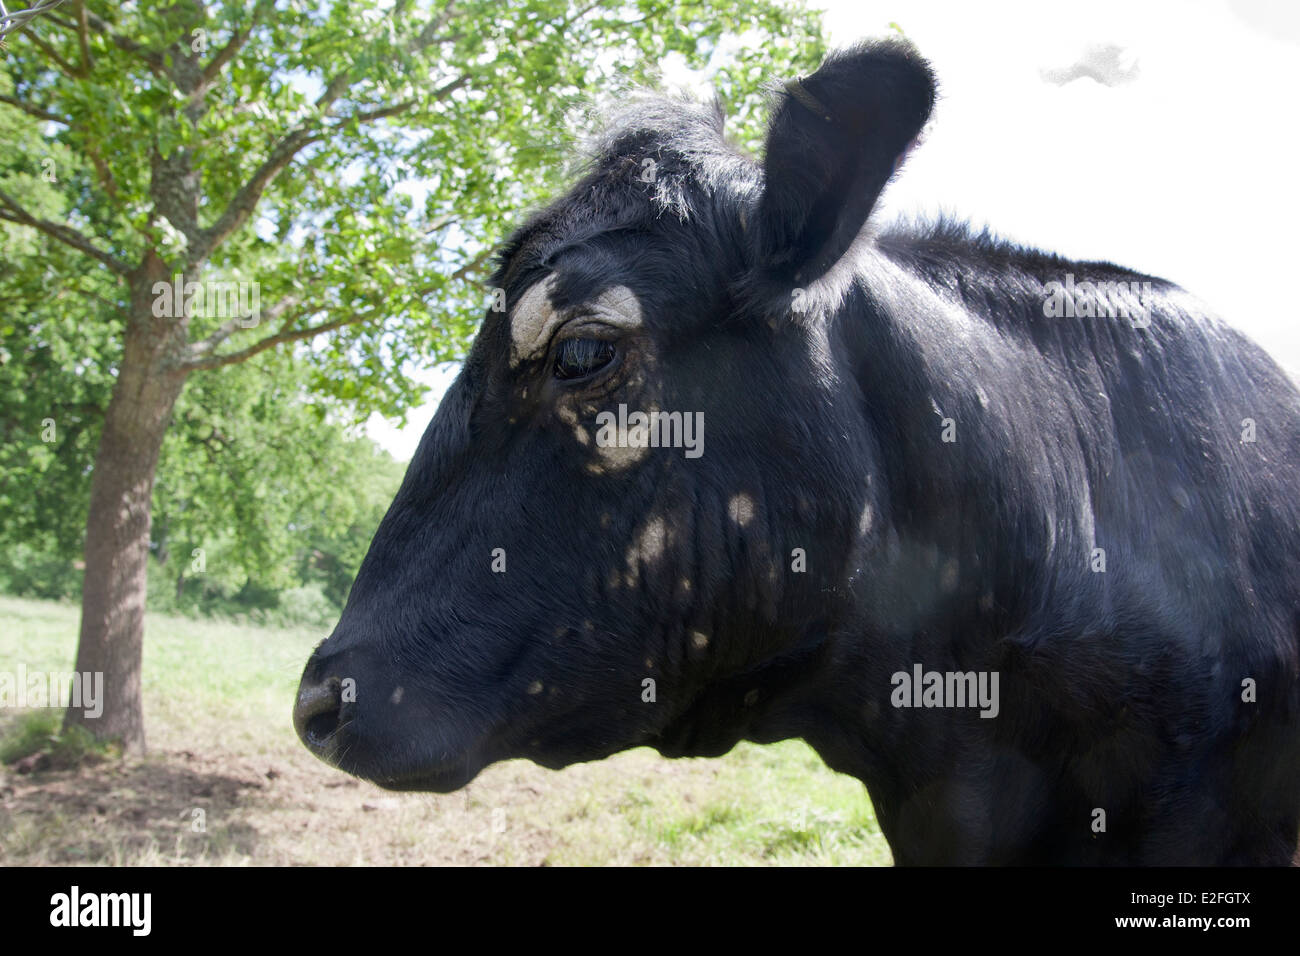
577	358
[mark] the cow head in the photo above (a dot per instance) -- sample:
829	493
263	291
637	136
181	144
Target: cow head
634	516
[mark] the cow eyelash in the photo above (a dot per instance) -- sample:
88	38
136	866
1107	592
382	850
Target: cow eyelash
577	358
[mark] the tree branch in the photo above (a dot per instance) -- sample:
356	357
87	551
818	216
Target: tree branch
429	35
245	200
235	44
118	307
333	90
577	15
226	54
148	57
205	347
14	212
441	224
34	111
102	171
367	116
442	92
464	272
64	66
249	194
83	38
474	264
281	337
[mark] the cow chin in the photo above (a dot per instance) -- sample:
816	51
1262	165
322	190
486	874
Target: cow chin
450	775
440	781
390	764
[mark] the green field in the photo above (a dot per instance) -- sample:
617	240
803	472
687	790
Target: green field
226	782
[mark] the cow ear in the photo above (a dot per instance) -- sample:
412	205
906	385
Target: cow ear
834	140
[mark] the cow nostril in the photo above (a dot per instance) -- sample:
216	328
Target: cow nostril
317	714
321	726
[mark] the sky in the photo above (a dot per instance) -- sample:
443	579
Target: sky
1161	136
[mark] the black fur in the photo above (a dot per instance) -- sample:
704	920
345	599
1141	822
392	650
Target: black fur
828	360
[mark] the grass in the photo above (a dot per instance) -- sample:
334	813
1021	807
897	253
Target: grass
226	782
40	733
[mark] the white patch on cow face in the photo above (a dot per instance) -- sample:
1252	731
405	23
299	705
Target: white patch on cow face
570	417
615	458
618	457
535	319
532	321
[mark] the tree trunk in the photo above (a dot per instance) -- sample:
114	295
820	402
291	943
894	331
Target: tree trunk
118	525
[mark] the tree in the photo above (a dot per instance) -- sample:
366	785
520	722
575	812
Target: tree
54	379
259	491
244	177
256	473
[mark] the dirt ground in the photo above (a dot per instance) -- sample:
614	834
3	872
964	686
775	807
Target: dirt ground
219	807
223	807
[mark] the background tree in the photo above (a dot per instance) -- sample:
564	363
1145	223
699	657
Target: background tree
268	482
347	157
260	492
55	378
266	478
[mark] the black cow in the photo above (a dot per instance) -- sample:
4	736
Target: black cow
1013	539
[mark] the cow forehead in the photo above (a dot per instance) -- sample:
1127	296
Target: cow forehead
535	318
